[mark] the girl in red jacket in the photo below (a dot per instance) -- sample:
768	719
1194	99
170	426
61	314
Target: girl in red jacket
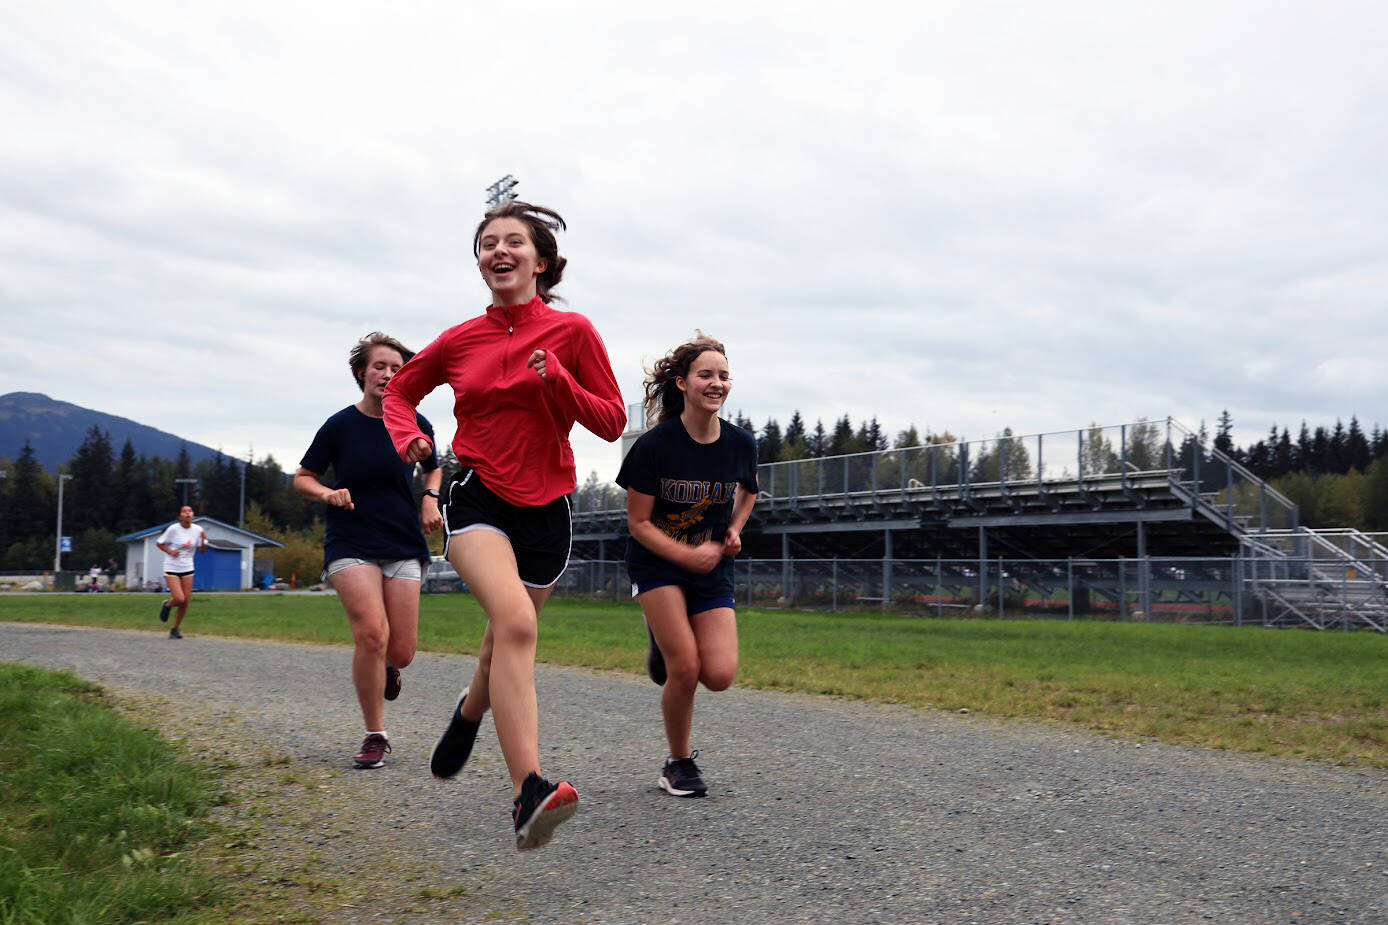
522	374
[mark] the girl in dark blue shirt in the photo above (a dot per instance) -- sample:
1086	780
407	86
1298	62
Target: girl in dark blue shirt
374	553
691	482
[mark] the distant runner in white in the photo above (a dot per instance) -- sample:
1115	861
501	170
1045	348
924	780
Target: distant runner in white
180	542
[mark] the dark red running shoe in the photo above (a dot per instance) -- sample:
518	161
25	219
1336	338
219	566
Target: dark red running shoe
373	752
392	682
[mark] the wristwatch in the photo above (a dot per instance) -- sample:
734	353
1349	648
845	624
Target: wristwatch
432	492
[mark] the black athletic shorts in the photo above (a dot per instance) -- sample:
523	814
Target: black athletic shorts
540	536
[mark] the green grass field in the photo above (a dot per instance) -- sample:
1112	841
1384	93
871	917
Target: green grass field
95	818
1316	695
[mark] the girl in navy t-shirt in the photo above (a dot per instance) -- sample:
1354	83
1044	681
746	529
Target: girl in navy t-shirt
374	552
691	482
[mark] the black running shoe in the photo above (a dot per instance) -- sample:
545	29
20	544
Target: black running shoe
164	611
392	682
540	808
175	634
373	752
681	778
455	745
655	661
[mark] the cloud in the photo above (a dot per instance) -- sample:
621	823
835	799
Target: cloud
963	216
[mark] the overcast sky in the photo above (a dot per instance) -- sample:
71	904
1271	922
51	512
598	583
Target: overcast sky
959	215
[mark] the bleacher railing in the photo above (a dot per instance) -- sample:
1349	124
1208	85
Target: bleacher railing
1082	460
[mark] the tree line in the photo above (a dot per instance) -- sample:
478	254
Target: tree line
1337	475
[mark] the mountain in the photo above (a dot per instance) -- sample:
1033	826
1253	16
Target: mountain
56	429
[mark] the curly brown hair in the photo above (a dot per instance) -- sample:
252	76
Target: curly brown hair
663	398
361	354
542	224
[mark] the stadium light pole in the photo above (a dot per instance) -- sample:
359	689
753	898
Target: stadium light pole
503	190
58	543
241	517
185	483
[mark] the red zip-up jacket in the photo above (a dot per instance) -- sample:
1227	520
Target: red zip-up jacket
513	426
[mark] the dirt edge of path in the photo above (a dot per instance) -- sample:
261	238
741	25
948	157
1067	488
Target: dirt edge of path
289	834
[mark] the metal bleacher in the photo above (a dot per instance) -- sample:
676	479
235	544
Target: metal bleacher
1145	491
1094	491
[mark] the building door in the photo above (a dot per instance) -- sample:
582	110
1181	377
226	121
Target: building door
217	570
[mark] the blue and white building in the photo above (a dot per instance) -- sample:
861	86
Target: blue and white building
226	564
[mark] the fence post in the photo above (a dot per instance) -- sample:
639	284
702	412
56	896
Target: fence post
1238	589
939	590
887	571
1122	589
1070	584
1002	589
834	593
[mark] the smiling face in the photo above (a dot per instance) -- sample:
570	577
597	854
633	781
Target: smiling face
707	385
508	261
381	365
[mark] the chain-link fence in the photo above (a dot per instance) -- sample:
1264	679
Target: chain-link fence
1234	590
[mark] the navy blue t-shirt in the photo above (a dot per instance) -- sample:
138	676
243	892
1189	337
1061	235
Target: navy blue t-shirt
694	485
384	522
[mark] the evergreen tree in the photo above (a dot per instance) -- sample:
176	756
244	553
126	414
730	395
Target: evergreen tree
1258	457
1358	453
33	502
770	443
1376	495
1305	450
219	484
1284	457
908	438
1144	447
131	482
842	440
795	430
876	438
1320	460
795	446
88	500
1337	459
818	441
1003	459
1224	441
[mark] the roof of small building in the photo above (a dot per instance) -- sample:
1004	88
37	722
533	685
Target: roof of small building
255	538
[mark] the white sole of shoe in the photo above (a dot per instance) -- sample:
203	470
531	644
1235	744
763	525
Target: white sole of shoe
674	792
558	807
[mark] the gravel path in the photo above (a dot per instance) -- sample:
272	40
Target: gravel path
820	810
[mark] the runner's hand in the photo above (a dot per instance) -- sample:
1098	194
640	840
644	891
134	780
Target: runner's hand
704	558
429	514
537	362
342	497
732	542
418	451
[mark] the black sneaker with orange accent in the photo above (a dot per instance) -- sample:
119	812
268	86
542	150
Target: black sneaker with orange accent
681	778
373	752
540	807
164	611
392	682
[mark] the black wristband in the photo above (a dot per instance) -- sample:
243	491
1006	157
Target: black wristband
432	492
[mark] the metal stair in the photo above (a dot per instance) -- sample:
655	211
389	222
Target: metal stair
1335	578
